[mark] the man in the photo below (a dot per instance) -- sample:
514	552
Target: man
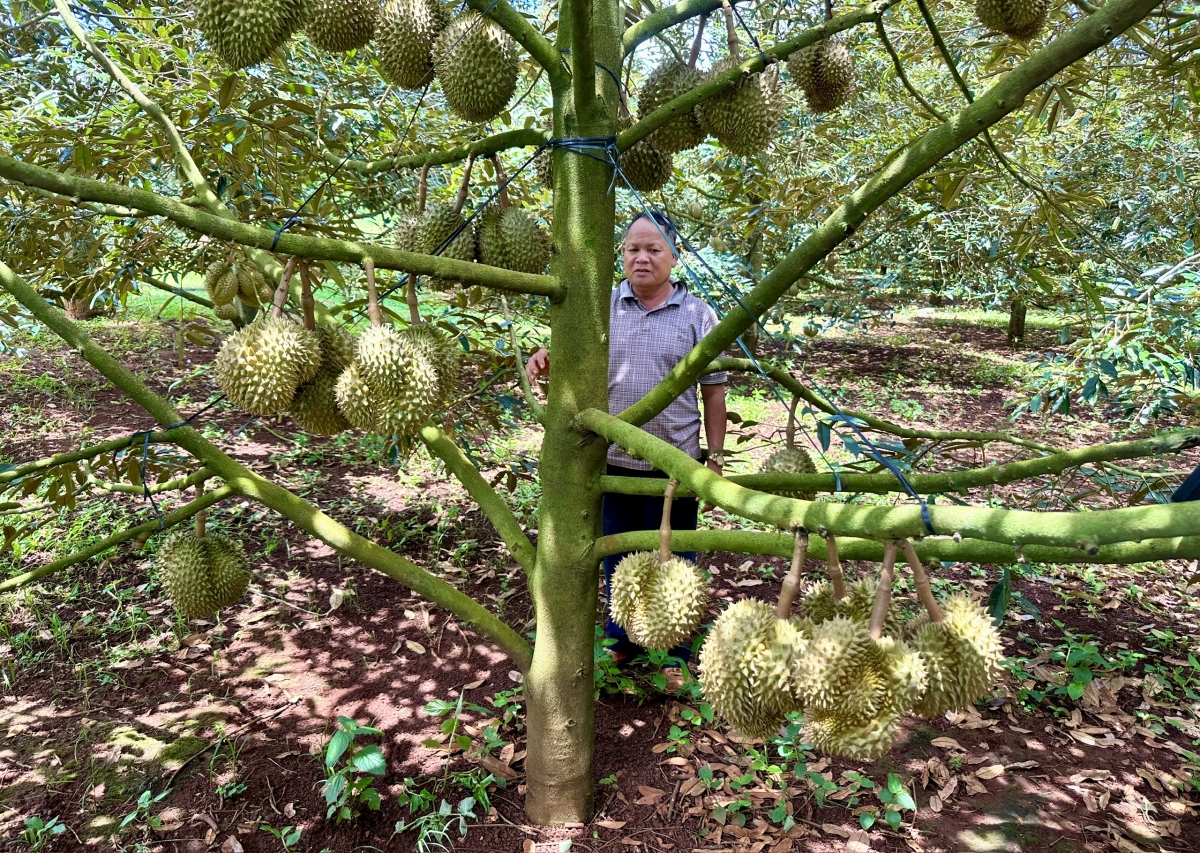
653	323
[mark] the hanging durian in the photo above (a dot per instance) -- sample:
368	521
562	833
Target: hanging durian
508	237
229	311
1020	19
665	83
646	167
791	459
202	573
444	233
245	32
405	35
253	289
825	72
221	281
659	599
340	25
476	62
314	406
260	366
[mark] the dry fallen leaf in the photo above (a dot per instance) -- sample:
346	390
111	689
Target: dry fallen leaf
497	767
947	743
834	829
649	796
415	647
858	842
990	772
610	824
232	845
935	803
474	684
289	810
528	846
1085	775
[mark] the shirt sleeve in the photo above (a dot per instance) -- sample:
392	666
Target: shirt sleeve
707	322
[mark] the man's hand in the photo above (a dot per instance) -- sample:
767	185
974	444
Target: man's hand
538	365
718	468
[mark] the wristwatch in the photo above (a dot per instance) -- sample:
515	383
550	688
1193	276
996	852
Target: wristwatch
717	456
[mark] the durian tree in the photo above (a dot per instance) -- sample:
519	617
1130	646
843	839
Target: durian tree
162	170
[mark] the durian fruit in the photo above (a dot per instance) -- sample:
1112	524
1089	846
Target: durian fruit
355	399
437	227
659	605
202	574
1020	19
841	670
512	239
825	72
476	62
245	32
404	40
819	604
229	311
791	460
903	676
746	667
543	166
340	25
745	118
314	407
408	233
383	360
252	284
260	366
665	83
962	653
646	167
221	282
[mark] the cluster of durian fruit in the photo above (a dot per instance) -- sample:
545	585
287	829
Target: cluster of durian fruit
235	278
389	382
471	56
848	662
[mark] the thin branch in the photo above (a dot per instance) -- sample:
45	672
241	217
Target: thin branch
95	450
899	66
947	56
535	405
177	291
313	248
178	484
664	19
509	139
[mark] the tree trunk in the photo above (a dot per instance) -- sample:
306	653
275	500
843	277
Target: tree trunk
80	309
565	582
1016	323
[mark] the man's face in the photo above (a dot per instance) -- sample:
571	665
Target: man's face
648	256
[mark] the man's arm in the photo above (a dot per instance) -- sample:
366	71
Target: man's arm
714	423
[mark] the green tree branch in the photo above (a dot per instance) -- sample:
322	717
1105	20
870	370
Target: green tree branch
664	19
70	456
315	248
1003	98
481	148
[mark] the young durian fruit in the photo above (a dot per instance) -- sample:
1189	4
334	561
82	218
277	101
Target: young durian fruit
962	653
746	117
252	284
229	311
476	62
426	389
646	167
337	26
543	167
408	233
405	35
825	72
221	282
1019	19
429	342
202	574
791	460
382	360
665	83
355	399
314	408
245	32
512	239
438	237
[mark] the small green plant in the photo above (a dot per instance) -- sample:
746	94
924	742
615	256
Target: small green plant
349	788
39	833
433	828
895	799
288	837
142	814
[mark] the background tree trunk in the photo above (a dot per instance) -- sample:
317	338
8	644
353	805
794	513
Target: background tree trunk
1016	322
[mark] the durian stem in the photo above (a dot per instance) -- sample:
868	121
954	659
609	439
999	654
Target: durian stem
829	10
735	49
281	292
410	296
835	568
790	433
698	41
791	584
501	185
202	515
664	527
461	200
921	582
229	257
373	310
883	595
423	188
307	303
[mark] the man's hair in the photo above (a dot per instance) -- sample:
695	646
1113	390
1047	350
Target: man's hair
661	220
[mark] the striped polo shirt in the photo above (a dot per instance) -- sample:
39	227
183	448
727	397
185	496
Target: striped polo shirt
643	346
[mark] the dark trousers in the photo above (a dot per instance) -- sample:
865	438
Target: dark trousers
626	513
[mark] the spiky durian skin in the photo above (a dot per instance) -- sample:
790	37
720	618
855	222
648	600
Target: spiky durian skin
675	600
245	32
355	399
962	654
228	569
732	662
382	360
182	567
229	311
252	285
512	239
745	118
409	234
442	354
818	604
340	25
840	671
627	584
476	62
665	83
439	237
404	40
543	166
314	407
791	460
646	167
260	366
825	72
1019	19
221	283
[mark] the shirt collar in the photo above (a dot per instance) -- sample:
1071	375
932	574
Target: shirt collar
678	293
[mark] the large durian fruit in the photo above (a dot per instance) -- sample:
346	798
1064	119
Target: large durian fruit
746	667
260	366
408	233
962	653
512	239
659	605
1020	19
476	62
646	167
314	406
202	574
665	83
825	72
340	25
745	117
229	311
438	237
405	35
820	605
245	32
791	460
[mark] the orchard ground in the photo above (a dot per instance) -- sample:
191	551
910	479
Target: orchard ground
140	731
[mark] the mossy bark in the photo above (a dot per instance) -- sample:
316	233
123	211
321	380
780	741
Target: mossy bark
565	581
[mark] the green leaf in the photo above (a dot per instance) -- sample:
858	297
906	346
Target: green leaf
893	819
338	744
905	800
225	96
894	784
334	787
370	759
866	820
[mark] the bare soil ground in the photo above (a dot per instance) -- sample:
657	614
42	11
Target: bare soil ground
220	726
